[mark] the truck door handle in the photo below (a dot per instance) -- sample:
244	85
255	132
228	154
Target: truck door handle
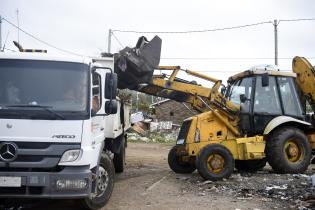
102	129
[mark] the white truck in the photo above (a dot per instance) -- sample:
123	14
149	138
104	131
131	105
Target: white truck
62	129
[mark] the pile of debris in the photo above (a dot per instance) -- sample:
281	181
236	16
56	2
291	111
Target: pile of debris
155	137
147	130
295	191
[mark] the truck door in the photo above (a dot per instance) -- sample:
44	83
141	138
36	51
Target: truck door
97	107
266	104
243	87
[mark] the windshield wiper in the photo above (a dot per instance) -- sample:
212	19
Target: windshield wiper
46	108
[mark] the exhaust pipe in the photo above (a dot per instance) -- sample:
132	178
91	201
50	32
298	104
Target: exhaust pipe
135	66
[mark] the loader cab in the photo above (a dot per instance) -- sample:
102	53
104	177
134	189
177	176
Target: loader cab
262	96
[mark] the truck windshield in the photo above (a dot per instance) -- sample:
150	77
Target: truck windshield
27	84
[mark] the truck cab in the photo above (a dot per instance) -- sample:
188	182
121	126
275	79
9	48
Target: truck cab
263	96
55	115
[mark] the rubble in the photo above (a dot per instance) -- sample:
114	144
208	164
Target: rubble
295	191
154	137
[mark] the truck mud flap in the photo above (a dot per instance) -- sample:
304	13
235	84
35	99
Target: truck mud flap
136	65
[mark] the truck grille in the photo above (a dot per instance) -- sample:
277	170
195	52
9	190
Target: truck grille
36	155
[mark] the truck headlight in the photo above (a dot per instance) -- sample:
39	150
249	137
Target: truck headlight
68	184
70	155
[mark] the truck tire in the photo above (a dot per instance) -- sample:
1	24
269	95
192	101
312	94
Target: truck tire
250	165
120	158
215	162
288	150
105	184
177	165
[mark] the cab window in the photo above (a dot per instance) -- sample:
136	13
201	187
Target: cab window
266	98
96	92
243	86
289	96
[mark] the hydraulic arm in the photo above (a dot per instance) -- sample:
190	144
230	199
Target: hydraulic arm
135	68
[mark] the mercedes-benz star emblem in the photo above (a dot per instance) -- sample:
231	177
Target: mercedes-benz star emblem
8	151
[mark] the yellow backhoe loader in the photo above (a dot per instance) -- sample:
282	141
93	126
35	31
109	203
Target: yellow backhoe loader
259	117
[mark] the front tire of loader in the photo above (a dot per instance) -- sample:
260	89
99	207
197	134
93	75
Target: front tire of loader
215	162
105	185
250	165
178	166
288	150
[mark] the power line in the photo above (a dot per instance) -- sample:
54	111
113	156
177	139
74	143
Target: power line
227	58
295	20
210	30
119	42
192	31
9	49
40	40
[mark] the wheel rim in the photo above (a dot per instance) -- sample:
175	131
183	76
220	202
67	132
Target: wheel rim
102	181
293	151
215	163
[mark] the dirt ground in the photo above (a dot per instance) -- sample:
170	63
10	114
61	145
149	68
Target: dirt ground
148	183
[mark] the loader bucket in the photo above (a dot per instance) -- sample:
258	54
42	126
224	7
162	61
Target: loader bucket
135	66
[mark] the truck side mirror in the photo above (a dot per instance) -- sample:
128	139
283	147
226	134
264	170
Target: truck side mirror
265	80
243	98
223	89
110	85
111	107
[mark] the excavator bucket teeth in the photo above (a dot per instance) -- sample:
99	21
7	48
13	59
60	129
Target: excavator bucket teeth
135	66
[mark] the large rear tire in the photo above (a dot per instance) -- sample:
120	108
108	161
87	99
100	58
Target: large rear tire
288	150
105	184
177	165
250	165
215	162
120	158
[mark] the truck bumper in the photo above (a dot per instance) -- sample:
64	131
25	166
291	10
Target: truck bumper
44	184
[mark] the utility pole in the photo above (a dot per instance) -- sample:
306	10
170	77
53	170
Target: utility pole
109	40
18	23
275	25
0	33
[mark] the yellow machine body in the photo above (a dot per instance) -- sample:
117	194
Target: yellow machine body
206	129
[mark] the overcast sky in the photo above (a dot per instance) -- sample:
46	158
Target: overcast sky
82	26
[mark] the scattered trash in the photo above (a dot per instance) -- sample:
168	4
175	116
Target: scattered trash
136	117
283	187
205	182
156	137
290	191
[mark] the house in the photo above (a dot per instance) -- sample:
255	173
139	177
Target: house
169	110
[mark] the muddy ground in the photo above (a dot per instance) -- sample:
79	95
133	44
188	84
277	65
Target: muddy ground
148	183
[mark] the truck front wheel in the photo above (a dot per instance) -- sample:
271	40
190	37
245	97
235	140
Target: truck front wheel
104	184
